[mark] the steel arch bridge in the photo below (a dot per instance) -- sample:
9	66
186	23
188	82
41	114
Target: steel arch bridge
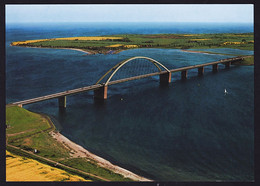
100	90
119	65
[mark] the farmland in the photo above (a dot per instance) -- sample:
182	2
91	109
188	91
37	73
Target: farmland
20	168
106	44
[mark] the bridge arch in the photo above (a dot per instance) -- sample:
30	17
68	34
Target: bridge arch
122	63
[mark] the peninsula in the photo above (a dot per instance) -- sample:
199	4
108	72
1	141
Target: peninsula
116	43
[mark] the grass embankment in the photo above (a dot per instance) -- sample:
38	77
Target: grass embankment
105	44
27	131
249	60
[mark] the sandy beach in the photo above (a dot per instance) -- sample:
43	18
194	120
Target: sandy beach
78	151
81	50
76	50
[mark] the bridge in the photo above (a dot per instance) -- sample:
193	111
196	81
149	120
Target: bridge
100	89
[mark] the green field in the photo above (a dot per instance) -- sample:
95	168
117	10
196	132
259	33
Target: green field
28	131
243	41
248	61
16	117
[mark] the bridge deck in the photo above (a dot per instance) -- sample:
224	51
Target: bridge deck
93	87
60	94
207	64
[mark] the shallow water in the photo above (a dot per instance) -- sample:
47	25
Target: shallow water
187	131
230	51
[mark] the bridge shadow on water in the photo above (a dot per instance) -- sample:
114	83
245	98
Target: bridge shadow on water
164	86
62	114
99	103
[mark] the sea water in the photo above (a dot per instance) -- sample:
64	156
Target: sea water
187	131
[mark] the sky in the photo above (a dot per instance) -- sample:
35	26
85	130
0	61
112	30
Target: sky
238	13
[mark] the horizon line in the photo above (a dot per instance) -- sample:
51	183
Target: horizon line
132	22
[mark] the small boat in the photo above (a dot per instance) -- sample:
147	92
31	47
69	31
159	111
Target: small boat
225	91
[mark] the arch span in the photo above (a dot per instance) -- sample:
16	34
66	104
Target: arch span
122	63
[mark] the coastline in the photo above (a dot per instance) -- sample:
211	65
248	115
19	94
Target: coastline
250	63
202	52
92	52
87	52
78	151
74	150
81	50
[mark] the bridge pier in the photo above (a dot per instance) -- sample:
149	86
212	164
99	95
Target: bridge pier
20	105
101	93
184	74
200	71
227	64
165	78
62	101
215	68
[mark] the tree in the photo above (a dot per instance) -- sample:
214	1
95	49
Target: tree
126	39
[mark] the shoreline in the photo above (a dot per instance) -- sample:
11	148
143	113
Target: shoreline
75	151
92	52
202	52
212	53
78	151
87	52
77	49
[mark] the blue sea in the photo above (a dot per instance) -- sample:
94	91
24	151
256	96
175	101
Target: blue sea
187	131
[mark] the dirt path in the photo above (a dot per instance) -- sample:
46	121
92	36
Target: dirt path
14	134
52	127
